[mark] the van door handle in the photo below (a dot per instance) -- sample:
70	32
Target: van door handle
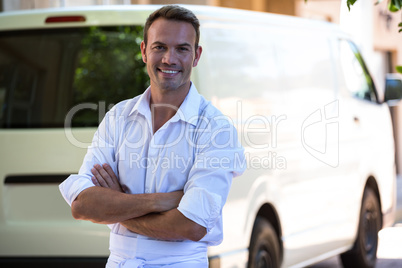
356	119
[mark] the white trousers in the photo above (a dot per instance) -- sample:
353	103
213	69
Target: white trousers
131	252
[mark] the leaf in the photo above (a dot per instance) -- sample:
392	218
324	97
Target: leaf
350	3
400	24
399	69
394	5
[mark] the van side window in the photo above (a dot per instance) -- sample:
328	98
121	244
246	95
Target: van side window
356	76
46	73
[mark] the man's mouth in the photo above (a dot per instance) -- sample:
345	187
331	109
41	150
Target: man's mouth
169	71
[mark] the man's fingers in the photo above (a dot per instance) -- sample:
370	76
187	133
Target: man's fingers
114	181
106	177
109	171
95	181
99	177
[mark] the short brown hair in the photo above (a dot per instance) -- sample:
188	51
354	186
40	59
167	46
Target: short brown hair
176	13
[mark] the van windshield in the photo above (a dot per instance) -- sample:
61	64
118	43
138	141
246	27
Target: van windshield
45	74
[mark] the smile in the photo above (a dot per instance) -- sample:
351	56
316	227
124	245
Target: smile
169	72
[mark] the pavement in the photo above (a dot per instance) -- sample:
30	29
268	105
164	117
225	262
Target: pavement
389	253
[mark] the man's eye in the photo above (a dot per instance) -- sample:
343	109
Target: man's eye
183	49
158	47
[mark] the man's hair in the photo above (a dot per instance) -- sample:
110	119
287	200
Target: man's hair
175	13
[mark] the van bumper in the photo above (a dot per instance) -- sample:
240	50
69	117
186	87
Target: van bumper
51	262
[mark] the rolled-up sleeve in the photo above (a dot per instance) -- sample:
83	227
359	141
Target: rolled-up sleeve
101	151
210	178
73	186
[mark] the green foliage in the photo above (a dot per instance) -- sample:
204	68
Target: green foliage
399	69
350	3
110	69
394	5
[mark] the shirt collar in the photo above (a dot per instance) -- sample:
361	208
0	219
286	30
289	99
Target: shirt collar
142	105
188	110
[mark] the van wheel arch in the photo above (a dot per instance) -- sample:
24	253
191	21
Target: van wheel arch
372	184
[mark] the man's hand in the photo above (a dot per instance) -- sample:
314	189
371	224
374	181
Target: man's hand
105	177
169	225
108	203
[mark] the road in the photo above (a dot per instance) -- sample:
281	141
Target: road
389	252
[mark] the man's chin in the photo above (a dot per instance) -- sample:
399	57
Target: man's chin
170	86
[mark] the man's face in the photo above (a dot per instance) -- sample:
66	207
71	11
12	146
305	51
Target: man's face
170	54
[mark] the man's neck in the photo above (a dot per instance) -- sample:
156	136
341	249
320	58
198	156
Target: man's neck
164	105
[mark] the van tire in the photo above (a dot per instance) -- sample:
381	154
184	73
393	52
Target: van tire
264	249
364	252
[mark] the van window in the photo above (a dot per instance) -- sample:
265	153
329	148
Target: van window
357	78
45	73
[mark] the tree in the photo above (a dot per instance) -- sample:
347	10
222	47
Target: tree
109	69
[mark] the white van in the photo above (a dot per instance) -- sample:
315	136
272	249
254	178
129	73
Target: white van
320	178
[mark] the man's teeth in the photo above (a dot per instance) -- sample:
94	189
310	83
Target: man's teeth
169	72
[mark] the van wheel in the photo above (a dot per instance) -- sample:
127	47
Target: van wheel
264	246
364	252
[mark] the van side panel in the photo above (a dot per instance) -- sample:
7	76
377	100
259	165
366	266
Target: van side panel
269	86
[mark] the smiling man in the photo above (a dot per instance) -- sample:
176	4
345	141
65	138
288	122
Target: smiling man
160	166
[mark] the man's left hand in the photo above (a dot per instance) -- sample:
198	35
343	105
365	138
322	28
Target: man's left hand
105	177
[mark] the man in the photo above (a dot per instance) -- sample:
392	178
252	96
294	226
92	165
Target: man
160	166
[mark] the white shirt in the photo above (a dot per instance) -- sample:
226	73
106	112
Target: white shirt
196	151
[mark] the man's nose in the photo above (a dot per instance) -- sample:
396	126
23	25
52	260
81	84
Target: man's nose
170	57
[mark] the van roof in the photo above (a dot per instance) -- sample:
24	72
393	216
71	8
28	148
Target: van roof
137	14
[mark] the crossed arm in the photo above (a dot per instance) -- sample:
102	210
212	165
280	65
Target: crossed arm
153	215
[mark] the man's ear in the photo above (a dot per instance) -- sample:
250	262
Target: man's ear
143	52
198	52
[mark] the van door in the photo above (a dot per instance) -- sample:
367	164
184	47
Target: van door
366	124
